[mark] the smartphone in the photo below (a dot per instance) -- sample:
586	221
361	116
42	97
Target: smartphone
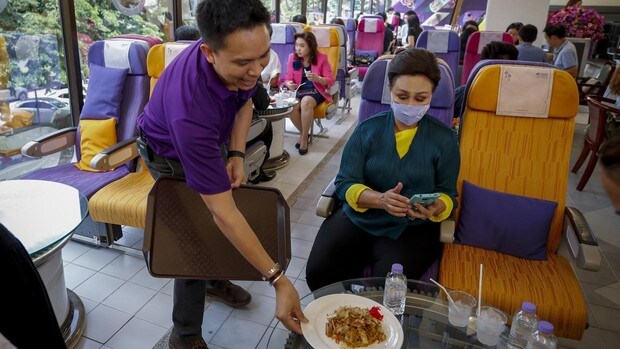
424	199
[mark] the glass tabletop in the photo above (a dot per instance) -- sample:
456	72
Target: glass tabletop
40	213
425	322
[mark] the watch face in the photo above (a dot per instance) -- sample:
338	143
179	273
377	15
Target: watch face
128	7
3	4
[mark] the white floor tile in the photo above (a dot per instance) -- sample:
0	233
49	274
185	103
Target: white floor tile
261	309
75	275
295	266
221	307
97	258
85	343
274	338
137	334
124	267
158	310
89	305
98	287
300	248
168	288
143	278
238	333
263	288
613	294
129	298
212	321
73	250
103	322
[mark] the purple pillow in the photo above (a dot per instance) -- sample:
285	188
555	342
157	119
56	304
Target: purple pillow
105	92
507	223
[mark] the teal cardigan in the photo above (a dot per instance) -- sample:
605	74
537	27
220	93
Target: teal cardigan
370	157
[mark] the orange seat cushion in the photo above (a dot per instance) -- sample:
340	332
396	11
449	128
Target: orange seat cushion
508	281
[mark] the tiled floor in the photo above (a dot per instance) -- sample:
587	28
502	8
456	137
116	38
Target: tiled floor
127	308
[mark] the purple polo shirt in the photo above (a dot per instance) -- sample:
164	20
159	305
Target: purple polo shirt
189	116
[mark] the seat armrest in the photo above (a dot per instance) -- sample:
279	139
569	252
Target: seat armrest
328	201
447	229
335	88
116	155
256	128
50	143
580	240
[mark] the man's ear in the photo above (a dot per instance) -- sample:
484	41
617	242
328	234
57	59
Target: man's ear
208	52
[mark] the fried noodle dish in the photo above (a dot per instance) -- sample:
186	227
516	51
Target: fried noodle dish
355	327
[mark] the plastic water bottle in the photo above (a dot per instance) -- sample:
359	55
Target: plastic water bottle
395	292
523	323
543	338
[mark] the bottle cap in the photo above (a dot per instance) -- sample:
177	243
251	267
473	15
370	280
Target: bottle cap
545	327
528	307
397	268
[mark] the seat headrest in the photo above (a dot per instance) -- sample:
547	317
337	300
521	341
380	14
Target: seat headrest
160	56
121	54
282	33
371	25
439	41
326	36
484	91
298	27
374	86
478	40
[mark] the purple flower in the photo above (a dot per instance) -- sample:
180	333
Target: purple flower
579	22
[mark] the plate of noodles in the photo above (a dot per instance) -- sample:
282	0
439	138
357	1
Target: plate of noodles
343	321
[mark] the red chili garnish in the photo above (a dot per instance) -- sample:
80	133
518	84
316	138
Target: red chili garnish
376	313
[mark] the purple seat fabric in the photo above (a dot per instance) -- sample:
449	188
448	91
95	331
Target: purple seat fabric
375	85
349	24
452	56
283	43
367	41
135	96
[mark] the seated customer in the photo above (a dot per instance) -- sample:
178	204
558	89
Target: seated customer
527	51
493	50
388	158
464	37
271	73
187	33
564	51
309	74
513	30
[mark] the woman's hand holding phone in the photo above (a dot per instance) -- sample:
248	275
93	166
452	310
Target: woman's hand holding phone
421	212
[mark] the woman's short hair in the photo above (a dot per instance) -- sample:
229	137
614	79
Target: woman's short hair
310	40
414	61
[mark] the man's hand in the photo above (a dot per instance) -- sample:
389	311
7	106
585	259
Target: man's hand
394	203
288	308
236	172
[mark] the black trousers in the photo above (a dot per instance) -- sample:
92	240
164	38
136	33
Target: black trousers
24	302
342	251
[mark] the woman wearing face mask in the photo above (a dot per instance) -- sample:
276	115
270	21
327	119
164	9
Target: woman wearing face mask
389	158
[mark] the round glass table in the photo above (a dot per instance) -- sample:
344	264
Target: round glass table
43	216
425	322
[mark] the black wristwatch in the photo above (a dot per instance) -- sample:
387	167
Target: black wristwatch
236	153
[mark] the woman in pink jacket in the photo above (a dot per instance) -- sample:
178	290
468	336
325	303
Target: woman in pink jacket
309	73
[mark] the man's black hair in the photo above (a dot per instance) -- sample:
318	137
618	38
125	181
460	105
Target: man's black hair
216	19
473	23
528	33
186	32
499	50
409	13
300	19
382	15
514	25
555	29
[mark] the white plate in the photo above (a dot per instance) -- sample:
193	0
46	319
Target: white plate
318	310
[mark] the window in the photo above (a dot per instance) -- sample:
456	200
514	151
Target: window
314	12
32	65
288	9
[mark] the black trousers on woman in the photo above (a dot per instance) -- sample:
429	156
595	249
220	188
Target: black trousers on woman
24	303
342	251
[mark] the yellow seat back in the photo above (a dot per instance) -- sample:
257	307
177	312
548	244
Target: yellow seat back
4	64
519	155
328	39
159	58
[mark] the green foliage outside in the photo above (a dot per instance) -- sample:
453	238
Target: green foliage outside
96	20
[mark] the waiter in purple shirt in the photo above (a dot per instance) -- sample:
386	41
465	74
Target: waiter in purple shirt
201	101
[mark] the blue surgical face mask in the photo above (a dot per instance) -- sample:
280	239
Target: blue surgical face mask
409	114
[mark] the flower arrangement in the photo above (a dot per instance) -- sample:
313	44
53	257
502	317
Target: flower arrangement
579	22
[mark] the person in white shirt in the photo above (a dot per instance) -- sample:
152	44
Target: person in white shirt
271	72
